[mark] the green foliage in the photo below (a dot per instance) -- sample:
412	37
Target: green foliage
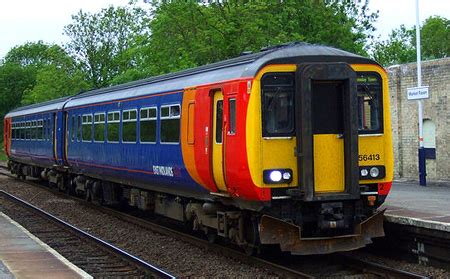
435	37
400	47
187	34
14	81
99	42
53	82
38	54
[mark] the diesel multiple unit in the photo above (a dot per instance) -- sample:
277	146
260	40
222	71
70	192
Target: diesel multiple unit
289	146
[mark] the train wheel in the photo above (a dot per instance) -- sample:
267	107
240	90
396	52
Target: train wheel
251	236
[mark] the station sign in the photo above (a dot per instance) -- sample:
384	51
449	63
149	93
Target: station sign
417	93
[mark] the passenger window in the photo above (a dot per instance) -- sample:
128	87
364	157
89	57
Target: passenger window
86	127
73	128
170	124
113	126
147	125
79	128
99	127
13	131
129	122
232	113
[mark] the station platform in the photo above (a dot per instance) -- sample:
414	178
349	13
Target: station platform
22	255
428	207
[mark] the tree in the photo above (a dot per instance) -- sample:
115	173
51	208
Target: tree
14	81
50	73
38	54
52	83
187	34
400	47
435	37
99	41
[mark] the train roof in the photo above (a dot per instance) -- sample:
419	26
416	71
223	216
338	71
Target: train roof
52	105
243	66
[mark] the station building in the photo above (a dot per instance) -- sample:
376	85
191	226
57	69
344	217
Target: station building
436	119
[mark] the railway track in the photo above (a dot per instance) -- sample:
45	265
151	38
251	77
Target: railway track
93	255
357	266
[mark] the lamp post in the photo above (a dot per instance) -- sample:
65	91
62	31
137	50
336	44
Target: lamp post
422	163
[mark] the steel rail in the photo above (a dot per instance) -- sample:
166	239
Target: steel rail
123	254
201	243
344	258
376	268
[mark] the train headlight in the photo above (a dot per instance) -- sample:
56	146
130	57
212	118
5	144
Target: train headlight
277	176
374	172
364	172
371	172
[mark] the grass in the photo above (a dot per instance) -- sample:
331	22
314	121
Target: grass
3	157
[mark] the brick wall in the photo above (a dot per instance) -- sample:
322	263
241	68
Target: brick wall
436	75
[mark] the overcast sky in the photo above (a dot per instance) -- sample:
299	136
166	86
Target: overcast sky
24	21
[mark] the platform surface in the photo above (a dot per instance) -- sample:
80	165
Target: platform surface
22	255
423	206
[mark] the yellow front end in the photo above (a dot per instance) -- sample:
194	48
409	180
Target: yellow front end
266	153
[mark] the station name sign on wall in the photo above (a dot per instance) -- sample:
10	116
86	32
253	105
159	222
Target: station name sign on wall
417	93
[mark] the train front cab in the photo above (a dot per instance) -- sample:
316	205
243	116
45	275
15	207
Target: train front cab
325	152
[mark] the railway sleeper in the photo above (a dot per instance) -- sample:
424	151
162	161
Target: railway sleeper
213	219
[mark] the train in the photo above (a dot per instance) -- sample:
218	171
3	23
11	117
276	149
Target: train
288	147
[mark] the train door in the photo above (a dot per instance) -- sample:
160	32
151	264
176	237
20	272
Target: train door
327	131
217	141
54	137
7	135
66	135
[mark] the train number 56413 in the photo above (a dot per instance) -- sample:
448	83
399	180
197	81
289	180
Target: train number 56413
369	157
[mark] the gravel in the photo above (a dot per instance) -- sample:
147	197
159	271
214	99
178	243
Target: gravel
174	256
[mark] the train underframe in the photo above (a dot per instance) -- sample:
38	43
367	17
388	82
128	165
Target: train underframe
294	225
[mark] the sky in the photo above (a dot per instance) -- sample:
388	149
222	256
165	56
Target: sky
24	21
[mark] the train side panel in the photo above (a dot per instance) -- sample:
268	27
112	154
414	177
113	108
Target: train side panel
157	164
33	139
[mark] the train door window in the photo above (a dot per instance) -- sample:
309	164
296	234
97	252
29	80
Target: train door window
21	133
24	131
147	125
13	131
73	127
33	130
99	127
86	127
369	103
129	123
79	128
219	119
49	129
191	119
28	130
170	124
41	129
113	126
232	113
